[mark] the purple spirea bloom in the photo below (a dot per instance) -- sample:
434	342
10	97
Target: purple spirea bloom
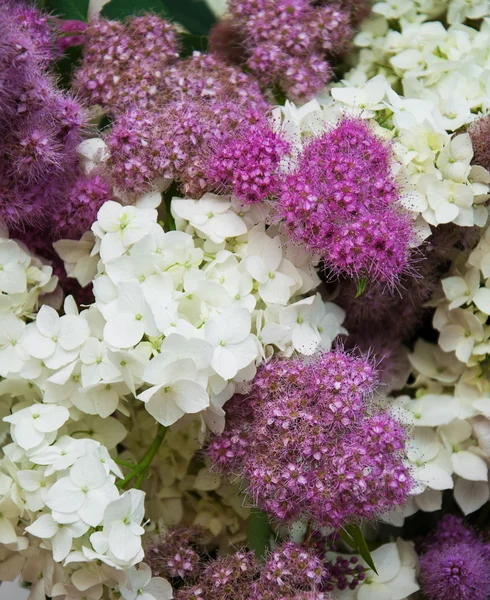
225	578
309	442
39	124
123	63
290	572
180	142
75	215
455	562
341	201
177	554
456	571
288	44
245	162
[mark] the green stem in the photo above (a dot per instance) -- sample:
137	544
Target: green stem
145	462
90	433
125	463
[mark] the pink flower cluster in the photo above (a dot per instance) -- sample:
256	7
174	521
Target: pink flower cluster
309	443
289	572
219	146
123	63
287	43
136	64
245	162
341	201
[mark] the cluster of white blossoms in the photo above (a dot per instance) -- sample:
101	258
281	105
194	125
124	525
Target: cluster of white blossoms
451	408
449	67
433	168
180	321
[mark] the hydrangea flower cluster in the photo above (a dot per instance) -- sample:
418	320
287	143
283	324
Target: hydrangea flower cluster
455	564
447	66
298	414
39	124
286	45
450	410
342	203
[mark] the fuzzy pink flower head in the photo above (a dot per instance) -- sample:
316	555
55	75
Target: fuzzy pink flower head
123	62
245	163
288	45
310	444
342	202
177	555
76	215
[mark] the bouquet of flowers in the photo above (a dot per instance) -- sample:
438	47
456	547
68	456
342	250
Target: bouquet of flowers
245	299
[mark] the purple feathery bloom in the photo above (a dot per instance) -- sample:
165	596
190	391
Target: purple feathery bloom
39	124
341	201
456	571
177	554
75	215
184	139
290	572
455	564
309	443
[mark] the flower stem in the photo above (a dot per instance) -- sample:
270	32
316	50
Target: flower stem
140	469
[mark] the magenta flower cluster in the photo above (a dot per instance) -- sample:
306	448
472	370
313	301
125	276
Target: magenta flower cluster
188	141
245	162
309	442
455	564
341	201
289	572
287	44
39	124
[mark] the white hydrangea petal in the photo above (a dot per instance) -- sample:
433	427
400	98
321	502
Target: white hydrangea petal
387	561
471	495
190	396
482	300
44	527
124	331
469	466
163	409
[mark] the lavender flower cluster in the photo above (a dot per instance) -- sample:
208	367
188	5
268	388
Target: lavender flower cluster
287	44
290	571
309	444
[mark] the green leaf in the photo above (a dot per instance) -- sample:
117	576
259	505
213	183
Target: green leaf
190	42
66	64
194	15
361	286
352	535
258	533
68	9
119	9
